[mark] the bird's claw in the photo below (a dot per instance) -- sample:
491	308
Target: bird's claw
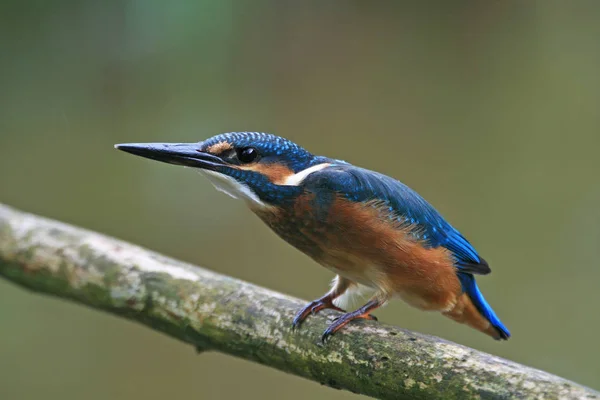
327	334
343	320
296	322
337	324
371	317
312	309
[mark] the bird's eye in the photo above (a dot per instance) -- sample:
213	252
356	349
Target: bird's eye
247	154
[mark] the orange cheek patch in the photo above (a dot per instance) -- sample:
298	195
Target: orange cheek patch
219	148
276	173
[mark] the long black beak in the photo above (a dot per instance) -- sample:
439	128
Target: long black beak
186	154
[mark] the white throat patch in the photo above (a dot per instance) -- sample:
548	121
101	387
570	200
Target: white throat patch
233	188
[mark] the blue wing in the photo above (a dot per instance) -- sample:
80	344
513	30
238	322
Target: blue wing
360	185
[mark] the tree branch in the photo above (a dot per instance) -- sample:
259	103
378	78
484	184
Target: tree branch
216	312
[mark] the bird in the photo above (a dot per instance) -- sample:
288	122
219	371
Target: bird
380	238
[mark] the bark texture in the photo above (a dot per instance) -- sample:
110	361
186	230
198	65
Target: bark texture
216	312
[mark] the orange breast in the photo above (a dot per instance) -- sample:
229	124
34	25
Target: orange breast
363	243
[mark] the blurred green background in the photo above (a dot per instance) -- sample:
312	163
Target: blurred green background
488	109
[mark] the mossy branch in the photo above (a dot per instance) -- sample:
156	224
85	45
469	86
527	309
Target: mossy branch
216	312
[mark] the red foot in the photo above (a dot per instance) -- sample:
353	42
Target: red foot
313	308
361	313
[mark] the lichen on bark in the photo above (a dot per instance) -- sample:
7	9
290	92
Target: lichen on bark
220	313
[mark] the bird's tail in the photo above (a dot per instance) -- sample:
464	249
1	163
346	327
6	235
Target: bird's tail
473	310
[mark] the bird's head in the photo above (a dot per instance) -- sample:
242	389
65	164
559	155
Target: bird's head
260	168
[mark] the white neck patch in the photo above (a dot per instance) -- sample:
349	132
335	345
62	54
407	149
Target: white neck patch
233	188
297	178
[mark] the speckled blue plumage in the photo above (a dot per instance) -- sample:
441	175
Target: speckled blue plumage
271	147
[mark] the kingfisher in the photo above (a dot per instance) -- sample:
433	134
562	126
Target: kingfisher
380	238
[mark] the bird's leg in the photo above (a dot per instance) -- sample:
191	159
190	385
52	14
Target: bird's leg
339	287
361	313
